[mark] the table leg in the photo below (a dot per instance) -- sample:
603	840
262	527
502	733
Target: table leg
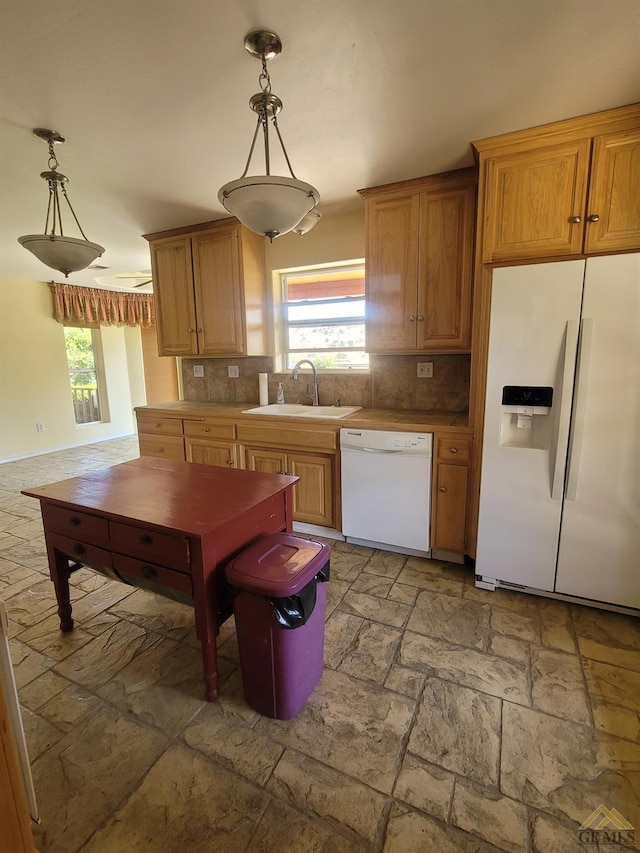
59	571
210	667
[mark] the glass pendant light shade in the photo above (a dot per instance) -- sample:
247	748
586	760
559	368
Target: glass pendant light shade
269	204
65	254
309	221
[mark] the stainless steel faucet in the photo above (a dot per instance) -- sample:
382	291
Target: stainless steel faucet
314	395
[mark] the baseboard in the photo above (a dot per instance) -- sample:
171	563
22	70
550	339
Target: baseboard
66	447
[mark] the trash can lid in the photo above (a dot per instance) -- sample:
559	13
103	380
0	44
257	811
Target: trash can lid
278	565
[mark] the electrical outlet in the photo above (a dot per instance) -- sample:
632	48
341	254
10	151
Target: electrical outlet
40	427
425	369
233	371
198	370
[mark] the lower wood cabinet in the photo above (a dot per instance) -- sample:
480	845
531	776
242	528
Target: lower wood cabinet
313	495
162	446
451	470
211	452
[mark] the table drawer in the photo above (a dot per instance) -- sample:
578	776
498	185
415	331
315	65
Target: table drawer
164	426
155	576
78	525
163	446
453	449
209	430
161	548
81	551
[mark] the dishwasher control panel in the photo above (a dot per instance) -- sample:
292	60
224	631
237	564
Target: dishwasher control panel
414	443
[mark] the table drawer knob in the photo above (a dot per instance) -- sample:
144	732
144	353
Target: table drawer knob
149	572
79	549
146	540
453	450
74	521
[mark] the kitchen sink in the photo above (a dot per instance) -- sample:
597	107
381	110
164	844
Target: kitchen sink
297	410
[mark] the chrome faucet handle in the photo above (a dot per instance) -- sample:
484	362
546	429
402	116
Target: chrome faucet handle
337	402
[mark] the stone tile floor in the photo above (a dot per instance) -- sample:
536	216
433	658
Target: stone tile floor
448	718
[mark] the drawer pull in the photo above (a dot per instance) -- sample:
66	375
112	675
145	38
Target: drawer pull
79	549
575	219
593	218
159	449
149	572
207	429
442	489
146	540
453	450
158	426
74	521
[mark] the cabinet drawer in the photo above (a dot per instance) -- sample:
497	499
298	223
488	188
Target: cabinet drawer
302	436
164	426
81	551
80	525
453	449
209	430
164	446
161	548
155	575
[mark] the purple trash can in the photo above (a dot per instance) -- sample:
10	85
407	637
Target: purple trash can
279	608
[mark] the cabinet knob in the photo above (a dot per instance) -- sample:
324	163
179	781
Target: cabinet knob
207	429
453	450
149	572
79	549
412	319
420	318
593	218
159	449
198	330
231	463
442	489
191	330
576	219
74	521
146	540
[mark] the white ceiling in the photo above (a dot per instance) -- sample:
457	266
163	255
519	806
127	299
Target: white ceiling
152	97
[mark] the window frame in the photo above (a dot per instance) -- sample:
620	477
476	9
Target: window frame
283	324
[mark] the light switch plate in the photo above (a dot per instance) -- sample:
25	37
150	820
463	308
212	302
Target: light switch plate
233	371
425	369
198	370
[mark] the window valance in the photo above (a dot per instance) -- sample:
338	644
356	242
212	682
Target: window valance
90	306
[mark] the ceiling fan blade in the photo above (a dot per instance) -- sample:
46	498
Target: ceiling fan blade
142	283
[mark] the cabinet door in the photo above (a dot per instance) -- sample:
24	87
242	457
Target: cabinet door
392	273
313	494
445	269
219	303
265	461
532	198
450	499
614	195
221	453
174	298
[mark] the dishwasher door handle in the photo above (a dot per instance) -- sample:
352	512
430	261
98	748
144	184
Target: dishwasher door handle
377	450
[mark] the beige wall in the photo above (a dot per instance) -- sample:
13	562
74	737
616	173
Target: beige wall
334	238
34	384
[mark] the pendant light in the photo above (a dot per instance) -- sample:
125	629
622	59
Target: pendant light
56	250
268	204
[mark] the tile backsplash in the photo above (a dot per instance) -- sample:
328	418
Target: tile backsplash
391	383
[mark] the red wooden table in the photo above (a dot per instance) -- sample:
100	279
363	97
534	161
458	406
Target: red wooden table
166	526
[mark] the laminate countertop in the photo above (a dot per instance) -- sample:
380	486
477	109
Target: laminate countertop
393	419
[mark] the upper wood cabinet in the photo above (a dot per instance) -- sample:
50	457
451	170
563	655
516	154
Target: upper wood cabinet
419	246
209	285
562	190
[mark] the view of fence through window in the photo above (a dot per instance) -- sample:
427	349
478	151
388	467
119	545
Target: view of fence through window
83	376
324	317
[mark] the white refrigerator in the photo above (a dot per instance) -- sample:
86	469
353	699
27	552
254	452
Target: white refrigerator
560	482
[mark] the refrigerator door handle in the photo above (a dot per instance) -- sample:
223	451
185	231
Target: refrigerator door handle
577	426
562	436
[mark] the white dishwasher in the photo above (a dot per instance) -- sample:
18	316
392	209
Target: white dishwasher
386	489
